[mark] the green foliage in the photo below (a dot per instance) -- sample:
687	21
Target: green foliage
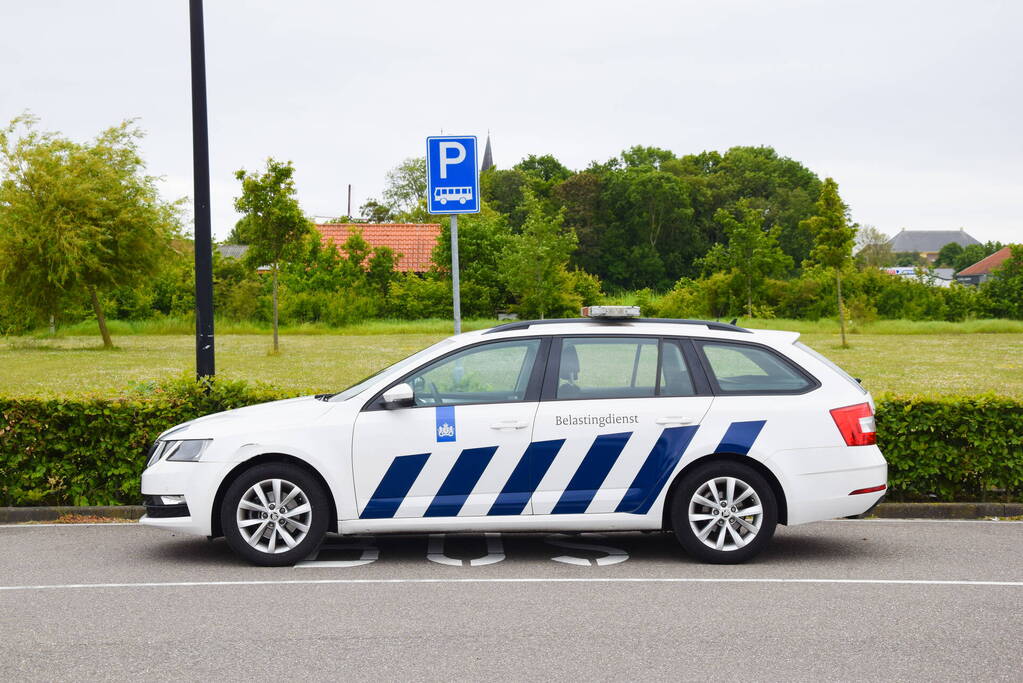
949	254
873	249
482	238
1003	293
972	253
272	224
413	296
80	220
91	451
751	254
952	448
833	239
405	191
533	265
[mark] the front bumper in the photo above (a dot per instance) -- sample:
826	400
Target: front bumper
818	481
198	482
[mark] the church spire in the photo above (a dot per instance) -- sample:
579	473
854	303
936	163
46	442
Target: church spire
488	156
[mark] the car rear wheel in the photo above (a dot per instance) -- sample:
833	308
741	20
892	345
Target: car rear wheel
724	513
275	514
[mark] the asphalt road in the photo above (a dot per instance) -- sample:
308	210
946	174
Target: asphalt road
844	600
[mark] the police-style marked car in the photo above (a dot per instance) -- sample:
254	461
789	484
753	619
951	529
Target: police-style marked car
607	422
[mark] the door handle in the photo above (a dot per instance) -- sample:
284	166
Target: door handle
675	420
510	424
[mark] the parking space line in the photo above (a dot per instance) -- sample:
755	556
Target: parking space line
918	520
624	580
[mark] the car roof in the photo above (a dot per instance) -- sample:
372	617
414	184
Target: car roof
616	326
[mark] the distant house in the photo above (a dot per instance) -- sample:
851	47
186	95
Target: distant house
927	243
413	243
981	270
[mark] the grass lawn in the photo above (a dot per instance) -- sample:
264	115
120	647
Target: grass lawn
897	362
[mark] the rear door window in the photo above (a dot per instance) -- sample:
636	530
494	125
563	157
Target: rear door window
607	367
745	369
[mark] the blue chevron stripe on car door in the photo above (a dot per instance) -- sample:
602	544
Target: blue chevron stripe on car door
394	486
526	476
591	473
740	436
656	469
459	483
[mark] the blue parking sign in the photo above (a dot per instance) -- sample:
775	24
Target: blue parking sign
452	174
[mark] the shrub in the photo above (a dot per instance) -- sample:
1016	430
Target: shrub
91	451
952	447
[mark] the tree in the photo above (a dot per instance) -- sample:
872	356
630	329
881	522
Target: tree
79	219
405	191
751	254
949	254
534	264
833	239
375	212
482	239
1004	291
272	224
973	253
873	249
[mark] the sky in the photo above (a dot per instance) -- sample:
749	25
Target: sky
914	108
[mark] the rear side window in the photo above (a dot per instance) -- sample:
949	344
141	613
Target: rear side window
742	369
607	367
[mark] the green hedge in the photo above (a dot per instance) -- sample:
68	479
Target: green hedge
91	451
954	448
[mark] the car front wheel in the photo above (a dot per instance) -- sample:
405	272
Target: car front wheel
275	514
724	513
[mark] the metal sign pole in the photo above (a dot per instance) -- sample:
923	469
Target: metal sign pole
455	293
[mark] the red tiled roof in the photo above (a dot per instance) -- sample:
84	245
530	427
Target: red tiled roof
413	243
988	264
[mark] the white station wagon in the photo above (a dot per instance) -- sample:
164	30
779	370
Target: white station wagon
607	422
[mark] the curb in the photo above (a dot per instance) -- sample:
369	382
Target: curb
13	515
945	510
9	515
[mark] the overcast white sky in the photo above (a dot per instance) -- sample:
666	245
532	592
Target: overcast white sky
915	108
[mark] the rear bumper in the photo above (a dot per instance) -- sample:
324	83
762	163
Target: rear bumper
818	482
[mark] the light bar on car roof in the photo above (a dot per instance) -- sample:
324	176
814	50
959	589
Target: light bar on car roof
610	311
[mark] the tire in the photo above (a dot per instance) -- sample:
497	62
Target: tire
740	537
244	512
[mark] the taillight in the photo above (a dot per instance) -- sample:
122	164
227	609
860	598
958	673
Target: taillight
856	424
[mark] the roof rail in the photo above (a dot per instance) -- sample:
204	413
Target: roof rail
526	324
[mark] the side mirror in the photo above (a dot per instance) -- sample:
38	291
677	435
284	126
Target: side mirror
399	396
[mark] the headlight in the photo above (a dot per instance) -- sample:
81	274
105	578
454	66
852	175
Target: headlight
189	450
184	450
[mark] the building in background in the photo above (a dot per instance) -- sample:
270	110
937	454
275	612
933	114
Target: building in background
927	243
412	243
981	271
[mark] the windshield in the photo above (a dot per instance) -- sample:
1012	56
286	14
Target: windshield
401	365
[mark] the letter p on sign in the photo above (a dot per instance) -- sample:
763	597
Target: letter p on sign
446	159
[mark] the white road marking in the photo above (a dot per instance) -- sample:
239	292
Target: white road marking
613	556
680	580
892	520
